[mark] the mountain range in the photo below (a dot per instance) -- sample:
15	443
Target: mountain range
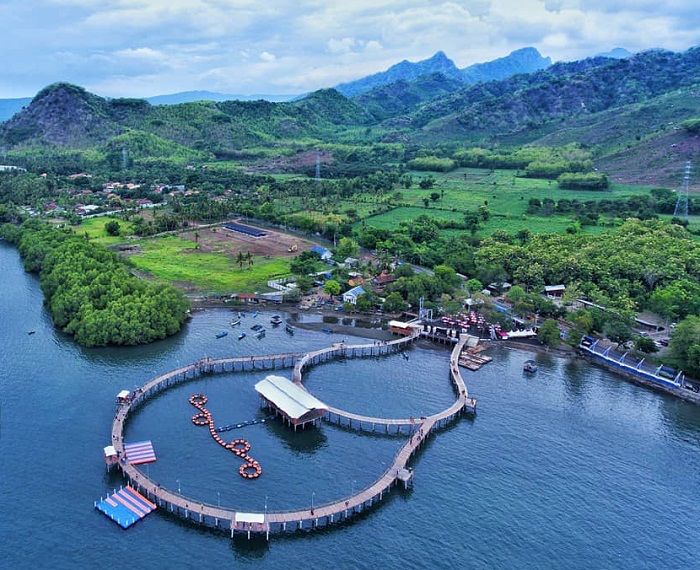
628	110
525	60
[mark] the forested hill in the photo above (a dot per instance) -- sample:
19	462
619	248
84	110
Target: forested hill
557	94
68	115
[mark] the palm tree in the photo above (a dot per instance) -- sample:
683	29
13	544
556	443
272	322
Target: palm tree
240	259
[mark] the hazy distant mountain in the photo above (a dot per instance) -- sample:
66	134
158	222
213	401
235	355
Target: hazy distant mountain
9	107
616	53
525	60
191	96
402	71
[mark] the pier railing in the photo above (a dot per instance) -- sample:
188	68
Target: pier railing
326	513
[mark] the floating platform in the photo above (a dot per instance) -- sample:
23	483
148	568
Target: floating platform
139	452
125	507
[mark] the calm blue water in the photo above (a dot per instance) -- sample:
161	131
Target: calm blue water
571	468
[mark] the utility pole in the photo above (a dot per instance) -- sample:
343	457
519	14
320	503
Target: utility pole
681	210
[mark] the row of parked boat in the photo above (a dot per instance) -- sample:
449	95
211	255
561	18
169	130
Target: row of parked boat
259	329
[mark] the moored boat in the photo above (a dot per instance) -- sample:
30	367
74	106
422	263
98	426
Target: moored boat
276	320
530	366
289	329
222	334
241	336
235	322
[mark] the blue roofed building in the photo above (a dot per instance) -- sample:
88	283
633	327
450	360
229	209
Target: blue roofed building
323	252
353	294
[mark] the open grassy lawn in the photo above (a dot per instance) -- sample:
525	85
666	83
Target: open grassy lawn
95	229
175	260
502	192
505	195
391	219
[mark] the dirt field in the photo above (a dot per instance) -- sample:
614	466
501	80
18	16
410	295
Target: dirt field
274	244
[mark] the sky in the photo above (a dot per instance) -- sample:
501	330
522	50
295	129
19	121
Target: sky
149	47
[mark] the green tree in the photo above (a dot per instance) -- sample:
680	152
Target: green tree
112	228
434	196
685	345
394	303
332	287
474	285
347	247
549	333
645	344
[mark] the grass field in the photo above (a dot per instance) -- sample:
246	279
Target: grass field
176	261
95	229
505	195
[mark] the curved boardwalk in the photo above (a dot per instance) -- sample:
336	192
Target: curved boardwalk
321	515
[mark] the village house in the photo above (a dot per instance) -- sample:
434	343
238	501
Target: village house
353	295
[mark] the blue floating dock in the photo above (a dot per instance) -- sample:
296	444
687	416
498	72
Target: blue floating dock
125	507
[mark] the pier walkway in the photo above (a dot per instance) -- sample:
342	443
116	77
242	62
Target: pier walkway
229	519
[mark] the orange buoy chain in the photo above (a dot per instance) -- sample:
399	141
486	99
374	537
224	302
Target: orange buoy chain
251	468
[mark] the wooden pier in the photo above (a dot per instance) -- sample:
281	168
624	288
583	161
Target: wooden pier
226	519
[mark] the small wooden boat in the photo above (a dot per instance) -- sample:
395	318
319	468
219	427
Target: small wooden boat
260	334
256	327
222	334
327	330
404	355
289	329
241	336
236	322
276	320
530	366
31	332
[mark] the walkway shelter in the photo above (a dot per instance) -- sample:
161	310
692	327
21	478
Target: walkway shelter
290	401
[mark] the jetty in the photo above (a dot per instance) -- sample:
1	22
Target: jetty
234	520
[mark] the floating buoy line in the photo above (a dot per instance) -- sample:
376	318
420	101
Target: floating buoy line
251	468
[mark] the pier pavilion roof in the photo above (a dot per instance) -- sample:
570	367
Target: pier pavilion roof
292	400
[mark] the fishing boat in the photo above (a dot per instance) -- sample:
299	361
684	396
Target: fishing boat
241	336
260	334
256	327
276	320
222	334
289	329
31	332
327	330
530	366
235	322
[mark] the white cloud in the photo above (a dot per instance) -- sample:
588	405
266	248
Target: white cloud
118	46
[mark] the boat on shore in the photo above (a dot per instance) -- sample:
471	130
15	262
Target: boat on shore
221	334
530	366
